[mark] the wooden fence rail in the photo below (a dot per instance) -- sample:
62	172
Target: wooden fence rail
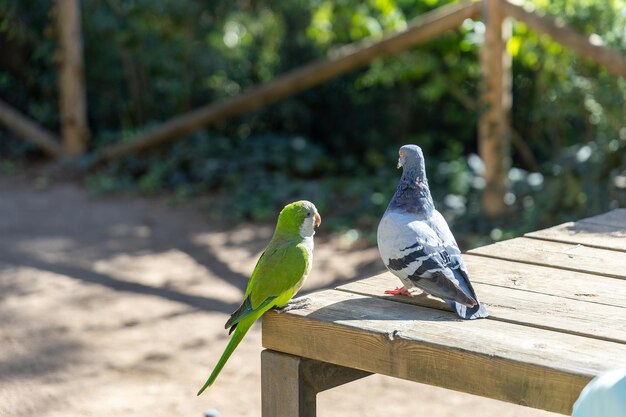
29	130
344	60
612	60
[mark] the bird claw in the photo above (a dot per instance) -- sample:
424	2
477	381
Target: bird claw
297	304
400	291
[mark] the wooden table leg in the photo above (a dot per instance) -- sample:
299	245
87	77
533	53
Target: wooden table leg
290	384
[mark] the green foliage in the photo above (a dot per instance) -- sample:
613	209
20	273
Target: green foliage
335	144
27	76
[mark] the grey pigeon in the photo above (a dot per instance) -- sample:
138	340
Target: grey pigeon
416	243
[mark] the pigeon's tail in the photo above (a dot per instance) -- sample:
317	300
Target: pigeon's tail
470	313
476	311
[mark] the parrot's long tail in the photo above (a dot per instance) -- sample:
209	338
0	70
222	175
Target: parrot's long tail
240	332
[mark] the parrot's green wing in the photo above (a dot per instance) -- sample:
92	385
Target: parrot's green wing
275	279
245	310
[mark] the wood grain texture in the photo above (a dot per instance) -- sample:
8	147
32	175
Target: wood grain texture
607	231
525	307
519	364
566	256
547	280
516	275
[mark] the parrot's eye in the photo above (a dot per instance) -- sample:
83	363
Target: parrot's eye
308	214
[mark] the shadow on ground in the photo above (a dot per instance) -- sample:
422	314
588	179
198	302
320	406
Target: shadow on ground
114	305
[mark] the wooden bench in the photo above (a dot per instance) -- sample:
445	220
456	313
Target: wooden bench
558	304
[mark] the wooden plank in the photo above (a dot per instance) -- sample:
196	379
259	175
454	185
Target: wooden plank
529	308
519	364
584	233
566	256
614	218
605	231
496	99
547	280
343	60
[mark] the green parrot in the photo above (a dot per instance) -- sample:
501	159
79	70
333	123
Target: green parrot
277	276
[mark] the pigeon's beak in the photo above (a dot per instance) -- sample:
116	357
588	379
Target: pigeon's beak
318	219
400	162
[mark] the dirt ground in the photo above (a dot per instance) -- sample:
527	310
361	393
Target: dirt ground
114	306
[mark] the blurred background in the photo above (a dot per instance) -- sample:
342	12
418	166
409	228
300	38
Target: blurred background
335	144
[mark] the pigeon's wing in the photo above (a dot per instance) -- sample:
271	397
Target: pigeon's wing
413	250
441	228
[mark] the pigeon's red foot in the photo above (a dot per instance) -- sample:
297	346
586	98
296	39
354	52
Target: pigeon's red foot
399	291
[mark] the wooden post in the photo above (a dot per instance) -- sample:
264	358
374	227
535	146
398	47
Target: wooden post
290	384
494	122
73	106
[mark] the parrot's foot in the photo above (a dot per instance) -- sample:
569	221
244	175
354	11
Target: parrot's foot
400	291
296	304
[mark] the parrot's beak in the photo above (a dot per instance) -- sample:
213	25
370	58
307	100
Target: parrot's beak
318	219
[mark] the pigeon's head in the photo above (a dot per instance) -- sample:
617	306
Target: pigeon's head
410	156
411	159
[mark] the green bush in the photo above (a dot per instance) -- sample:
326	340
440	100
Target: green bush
336	143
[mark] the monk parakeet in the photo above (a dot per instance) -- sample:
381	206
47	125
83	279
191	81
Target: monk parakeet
417	246
277	276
